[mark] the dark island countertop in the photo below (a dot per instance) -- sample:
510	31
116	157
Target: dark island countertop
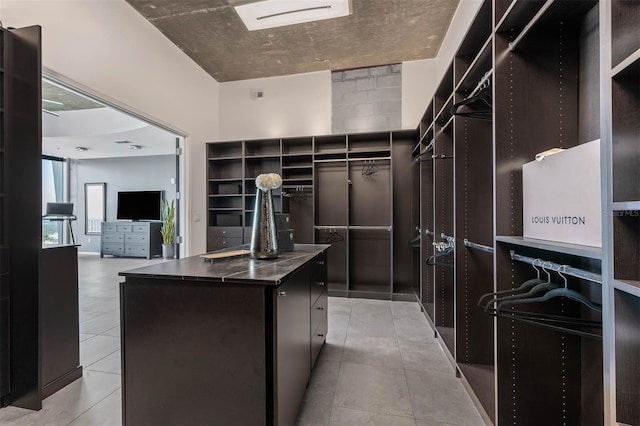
235	270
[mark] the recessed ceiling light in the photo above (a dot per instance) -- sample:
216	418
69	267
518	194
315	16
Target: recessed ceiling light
122	142
279	13
82	148
136	147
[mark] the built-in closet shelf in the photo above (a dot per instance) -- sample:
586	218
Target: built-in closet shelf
445	112
225	209
628	286
298	154
625	205
224	195
262	157
226	180
310	166
518	14
571	249
480	65
222	159
629	64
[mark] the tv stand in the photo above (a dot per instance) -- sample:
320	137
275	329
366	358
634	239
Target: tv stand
131	239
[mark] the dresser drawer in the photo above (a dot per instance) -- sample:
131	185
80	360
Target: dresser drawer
114	249
140	228
225	231
220	243
319	312
108	227
124	228
113	238
136	250
137	238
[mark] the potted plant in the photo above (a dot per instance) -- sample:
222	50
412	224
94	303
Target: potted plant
168	229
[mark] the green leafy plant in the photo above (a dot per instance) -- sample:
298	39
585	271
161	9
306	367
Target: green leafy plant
168	229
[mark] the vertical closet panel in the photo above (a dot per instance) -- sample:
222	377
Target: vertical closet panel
427	226
443	219
23	209
405	218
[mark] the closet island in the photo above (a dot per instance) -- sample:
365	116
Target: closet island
225	342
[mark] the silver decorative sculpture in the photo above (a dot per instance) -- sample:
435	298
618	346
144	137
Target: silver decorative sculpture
264	236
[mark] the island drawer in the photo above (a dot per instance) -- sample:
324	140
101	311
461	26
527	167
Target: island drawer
319	312
317	340
217	243
225	231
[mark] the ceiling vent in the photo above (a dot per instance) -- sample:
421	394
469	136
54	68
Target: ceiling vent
279	13
122	142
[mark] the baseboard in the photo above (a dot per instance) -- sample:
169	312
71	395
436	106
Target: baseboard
62	381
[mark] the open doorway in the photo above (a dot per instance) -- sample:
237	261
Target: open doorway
97	151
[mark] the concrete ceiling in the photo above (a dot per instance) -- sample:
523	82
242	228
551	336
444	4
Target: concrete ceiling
57	98
377	32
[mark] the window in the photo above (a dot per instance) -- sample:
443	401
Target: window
95	207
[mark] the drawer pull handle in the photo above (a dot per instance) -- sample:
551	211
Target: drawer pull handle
319	283
320	262
320	335
282	293
320	309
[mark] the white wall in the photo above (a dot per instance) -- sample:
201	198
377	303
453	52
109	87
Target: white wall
420	78
292	105
108	48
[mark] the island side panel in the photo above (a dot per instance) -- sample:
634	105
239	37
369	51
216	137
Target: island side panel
193	352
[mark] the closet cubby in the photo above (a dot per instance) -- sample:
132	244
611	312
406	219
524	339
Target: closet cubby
478	36
231	187
262	148
224	150
625	32
514	15
225	218
331	193
294	146
625	143
627	358
569	384
370	194
368	143
626	250
443	92
369	262
225	169
226	202
257	166
330	144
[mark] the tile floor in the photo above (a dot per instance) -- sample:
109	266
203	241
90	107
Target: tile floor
380	366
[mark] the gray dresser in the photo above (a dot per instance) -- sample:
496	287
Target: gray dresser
131	239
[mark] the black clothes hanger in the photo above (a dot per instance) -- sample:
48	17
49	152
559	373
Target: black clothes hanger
415	242
524	286
334	237
563	291
432	260
536	289
478	106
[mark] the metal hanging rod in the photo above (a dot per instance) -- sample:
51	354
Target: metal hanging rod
447	124
330	227
369	159
481	83
564	269
441	157
481	247
430	233
530	25
449	238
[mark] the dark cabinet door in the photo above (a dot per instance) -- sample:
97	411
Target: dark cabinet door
292	345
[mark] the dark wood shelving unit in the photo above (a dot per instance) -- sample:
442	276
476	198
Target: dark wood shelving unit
329	199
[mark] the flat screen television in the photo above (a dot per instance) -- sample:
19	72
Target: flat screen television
139	205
